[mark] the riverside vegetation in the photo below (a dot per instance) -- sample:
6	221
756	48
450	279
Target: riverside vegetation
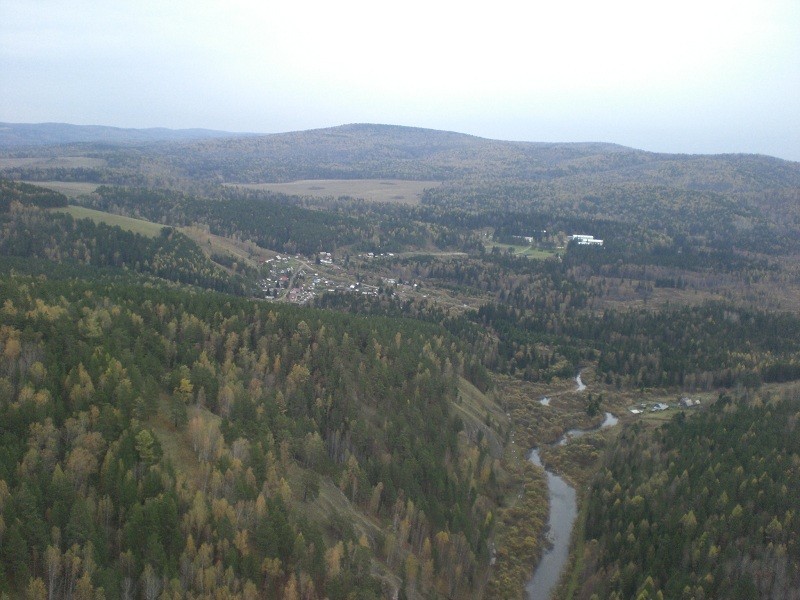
168	433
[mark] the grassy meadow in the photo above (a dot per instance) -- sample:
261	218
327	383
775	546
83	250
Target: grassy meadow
527	251
71	189
145	228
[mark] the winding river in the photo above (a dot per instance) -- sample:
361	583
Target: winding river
579	383
563	512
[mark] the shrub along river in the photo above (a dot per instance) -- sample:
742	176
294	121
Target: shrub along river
563	512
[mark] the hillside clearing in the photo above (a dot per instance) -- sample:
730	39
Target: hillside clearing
475	408
145	228
71	189
372	190
246	251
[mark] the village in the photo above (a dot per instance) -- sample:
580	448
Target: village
298	280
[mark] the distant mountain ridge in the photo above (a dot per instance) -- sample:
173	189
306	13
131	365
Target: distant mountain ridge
46	134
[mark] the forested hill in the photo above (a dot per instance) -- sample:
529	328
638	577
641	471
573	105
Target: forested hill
386	151
374	151
358	151
700	508
153	437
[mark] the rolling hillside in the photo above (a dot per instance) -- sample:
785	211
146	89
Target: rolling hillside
321	396
476	167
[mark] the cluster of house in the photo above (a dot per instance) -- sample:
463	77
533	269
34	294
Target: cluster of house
278	258
293	284
299	295
684	402
272	284
643	407
530	238
585	240
373	255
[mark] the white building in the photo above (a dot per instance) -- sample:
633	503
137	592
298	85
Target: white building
586	240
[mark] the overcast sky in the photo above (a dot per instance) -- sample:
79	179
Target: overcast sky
691	76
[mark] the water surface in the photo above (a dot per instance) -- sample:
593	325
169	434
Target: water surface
563	512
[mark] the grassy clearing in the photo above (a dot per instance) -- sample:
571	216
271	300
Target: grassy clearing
175	443
71	189
373	190
527	251
145	228
330	502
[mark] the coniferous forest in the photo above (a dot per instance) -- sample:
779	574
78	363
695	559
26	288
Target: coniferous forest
213	388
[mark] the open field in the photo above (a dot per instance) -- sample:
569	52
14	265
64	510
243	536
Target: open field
373	190
71	189
528	251
145	228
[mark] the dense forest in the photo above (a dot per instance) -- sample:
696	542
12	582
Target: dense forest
703	507
258	395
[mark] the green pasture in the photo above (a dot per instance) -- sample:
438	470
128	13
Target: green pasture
146	228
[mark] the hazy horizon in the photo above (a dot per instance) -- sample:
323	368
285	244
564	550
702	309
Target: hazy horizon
700	77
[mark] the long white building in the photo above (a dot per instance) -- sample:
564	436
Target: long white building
586	240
